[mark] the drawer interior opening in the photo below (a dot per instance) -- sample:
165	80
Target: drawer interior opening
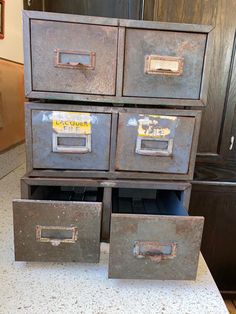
67	193
150	202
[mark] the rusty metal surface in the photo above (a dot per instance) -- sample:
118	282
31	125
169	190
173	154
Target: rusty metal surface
47	37
141	43
163	65
42	144
163	131
155	251
39	188
50	234
113	112
183	233
57	231
44	30
79	59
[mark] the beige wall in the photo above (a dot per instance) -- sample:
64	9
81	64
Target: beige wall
11	77
11	104
11	47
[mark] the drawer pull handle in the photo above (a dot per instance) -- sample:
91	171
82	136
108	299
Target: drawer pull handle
164	65
56	234
155	251
74	63
71	59
151	146
71	143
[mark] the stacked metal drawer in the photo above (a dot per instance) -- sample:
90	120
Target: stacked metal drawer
111	157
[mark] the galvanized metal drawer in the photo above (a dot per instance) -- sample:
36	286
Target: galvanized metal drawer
65	140
156	241
57	228
70	140
73	57
155	143
163	64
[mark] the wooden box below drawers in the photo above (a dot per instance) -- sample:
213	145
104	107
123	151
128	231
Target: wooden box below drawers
71	57
111	142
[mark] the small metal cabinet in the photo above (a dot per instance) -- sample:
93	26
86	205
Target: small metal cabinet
87	165
58	224
71	57
152	236
111	142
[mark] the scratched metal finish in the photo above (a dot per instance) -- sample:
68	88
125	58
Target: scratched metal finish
46	36
85	216
128	159
141	43
44	157
127	229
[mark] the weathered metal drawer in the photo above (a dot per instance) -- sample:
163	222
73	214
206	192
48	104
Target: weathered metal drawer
84	58
153	238
59	224
166	64
70	140
73	57
111	142
156	143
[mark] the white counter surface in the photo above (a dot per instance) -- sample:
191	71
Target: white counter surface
84	288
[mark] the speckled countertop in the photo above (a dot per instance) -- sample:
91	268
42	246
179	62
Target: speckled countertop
84	288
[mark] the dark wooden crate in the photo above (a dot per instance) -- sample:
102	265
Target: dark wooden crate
216	201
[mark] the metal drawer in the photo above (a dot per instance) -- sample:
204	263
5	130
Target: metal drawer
54	227
111	142
162	244
167	64
84	58
156	143
73	57
70	140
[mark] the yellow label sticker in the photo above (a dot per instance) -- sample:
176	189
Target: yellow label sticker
173	118
149	126
71	122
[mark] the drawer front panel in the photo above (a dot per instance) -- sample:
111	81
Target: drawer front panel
73	58
154	247
57	231
64	140
154	143
163	64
